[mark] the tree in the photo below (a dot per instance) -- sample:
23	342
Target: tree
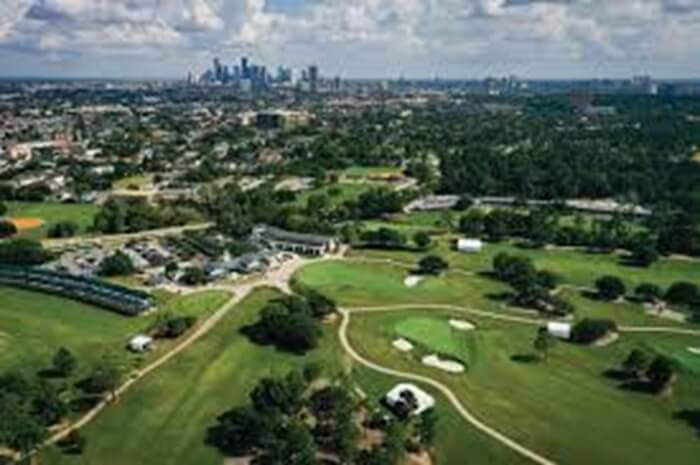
241	430
64	362
193	276
48	405
23	252
660	373
105	377
472	224
432	264
590	330
422	239
63	229
517	271
644	252
3	209
648	292
636	363
683	293
465	202
543	343
117	264
7	229
427	428
610	287
292	445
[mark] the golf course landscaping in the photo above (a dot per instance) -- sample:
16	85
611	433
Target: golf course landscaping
164	418
567	408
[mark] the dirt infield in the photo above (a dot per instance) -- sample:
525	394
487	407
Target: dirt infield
27	224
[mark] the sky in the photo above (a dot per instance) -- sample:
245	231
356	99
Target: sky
353	38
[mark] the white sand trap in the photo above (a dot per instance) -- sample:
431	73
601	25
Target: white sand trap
462	325
694	350
449	366
412	280
403	345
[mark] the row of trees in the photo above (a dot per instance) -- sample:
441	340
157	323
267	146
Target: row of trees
683	294
533	288
289	420
118	216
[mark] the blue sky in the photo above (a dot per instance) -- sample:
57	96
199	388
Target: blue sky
353	38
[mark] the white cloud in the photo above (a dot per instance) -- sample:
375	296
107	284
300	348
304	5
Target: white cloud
366	36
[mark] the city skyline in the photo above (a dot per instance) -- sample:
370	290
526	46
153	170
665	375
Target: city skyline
452	39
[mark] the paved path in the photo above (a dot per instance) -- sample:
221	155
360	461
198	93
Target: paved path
447	392
54	243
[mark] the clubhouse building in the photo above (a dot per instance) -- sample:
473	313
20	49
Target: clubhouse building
304	244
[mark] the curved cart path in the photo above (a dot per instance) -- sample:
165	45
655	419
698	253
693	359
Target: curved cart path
451	397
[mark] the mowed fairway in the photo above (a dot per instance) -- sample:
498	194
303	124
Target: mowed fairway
358	283
81	214
572	266
163	419
566	409
34	325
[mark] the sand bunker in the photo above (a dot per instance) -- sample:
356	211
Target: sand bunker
403	345
449	366
25	224
412	280
462	325
694	350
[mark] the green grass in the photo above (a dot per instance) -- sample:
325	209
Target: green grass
163	419
572	266
34	325
359	172
346	192
136	180
375	284
436	335
566	408
81	214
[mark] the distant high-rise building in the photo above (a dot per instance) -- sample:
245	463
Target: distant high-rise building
245	73
313	78
218	70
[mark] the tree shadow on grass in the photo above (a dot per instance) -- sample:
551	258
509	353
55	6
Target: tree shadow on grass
525	358
618	375
640	386
50	373
505	296
691	417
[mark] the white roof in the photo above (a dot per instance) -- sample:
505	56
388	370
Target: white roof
425	400
559	329
140	340
472	244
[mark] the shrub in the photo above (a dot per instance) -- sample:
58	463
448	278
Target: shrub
610	287
590	330
7	229
683	293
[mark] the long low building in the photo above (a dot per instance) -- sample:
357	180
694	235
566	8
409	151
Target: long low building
306	244
101	293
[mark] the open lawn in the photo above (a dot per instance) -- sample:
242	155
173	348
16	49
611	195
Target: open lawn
355	283
34	325
81	214
163	419
566	408
337	193
435	335
572	266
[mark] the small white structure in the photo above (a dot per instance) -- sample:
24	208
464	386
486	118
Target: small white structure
470	245
400	392
141	343
412	280
559	330
694	350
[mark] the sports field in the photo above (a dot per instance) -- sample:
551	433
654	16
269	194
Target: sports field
81	214
163	419
566	408
34	325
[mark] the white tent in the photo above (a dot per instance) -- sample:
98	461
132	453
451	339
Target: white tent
559	330
424	400
470	245
141	343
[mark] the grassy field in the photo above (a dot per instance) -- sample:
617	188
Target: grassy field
435	335
346	192
34	325
566	408
81	214
163	419
573	266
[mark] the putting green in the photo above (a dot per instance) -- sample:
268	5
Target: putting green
436	335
